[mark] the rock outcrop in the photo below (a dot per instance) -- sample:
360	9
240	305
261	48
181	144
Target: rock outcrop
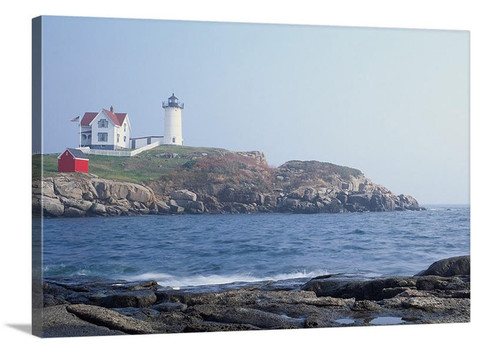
78	195
238	182
103	308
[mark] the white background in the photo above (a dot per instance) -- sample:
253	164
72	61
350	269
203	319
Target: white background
480	17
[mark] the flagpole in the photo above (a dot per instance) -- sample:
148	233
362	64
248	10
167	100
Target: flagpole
79	134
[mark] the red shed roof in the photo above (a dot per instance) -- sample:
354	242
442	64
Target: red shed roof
116	118
76	153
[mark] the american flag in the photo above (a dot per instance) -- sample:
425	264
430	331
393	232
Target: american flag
75	119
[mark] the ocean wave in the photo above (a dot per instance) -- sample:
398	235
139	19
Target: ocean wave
178	282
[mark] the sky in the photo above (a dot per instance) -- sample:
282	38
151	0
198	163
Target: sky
393	103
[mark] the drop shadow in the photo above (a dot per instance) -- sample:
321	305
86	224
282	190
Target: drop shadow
26	328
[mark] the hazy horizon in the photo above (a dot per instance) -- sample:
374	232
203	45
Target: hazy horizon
393	103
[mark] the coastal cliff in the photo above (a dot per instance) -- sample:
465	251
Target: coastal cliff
217	181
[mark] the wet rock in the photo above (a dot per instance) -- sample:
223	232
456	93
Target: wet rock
168	307
73	212
59	322
365	305
137	299
52	207
361	290
162	207
254	317
454	266
218	327
110	319
98	209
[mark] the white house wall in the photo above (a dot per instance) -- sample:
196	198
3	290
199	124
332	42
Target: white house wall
143	141
96	129
112	130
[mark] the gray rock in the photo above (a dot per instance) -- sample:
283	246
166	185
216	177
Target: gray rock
82	205
59	322
52	207
183	195
376	289
98	209
169	307
139	193
67	188
174	208
195	207
309	194
136	299
119	190
454	266
162	207
73	212
110	319
102	189
254	317
360	199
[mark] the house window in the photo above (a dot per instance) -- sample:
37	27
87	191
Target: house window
124	138
102	136
173	139
102	123
117	137
125	127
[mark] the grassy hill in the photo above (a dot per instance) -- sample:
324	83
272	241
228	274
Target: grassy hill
207	170
147	166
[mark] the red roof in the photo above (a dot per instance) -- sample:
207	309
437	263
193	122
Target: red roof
116	118
87	118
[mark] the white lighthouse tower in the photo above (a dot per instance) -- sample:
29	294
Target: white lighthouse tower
173	121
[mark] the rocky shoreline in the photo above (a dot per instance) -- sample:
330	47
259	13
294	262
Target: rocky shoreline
80	195
437	295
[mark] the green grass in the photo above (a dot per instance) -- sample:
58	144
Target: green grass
149	165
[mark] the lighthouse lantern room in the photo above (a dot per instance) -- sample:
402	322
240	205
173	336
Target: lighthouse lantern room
173	121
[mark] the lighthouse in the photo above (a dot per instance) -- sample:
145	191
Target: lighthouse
173	121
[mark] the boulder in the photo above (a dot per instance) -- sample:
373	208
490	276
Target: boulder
342	196
98	209
119	190
407	202
254	317
270	200
309	194
140	194
174	208
183	195
376	289
453	266
52	207
162	207
136	299
110	319
195	207
67	188
73	212
360	199
82	205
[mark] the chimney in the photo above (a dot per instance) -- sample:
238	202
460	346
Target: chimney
111	109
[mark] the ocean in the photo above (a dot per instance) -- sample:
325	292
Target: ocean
189	251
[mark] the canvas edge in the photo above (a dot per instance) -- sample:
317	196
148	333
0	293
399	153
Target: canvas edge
36	170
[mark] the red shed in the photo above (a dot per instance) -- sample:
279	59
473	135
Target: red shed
72	160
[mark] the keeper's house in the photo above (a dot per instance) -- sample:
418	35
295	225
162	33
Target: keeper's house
72	160
105	130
